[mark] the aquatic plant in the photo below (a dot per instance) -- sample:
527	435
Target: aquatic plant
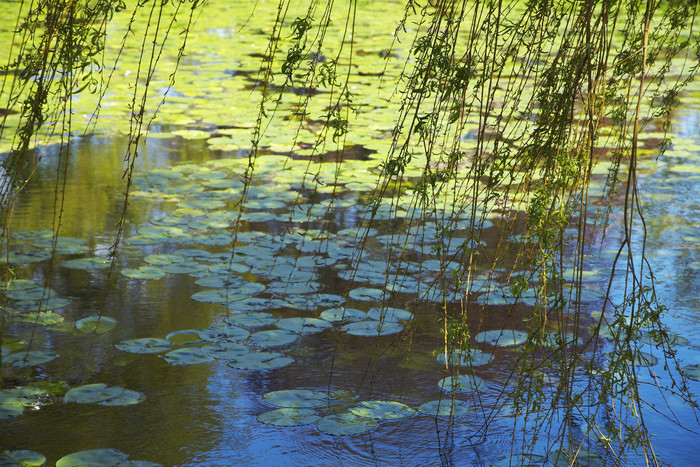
478	193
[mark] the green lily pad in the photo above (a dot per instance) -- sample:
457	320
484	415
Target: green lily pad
24	359
461	383
223	333
185	336
11	406
273	338
501	338
372	328
87	263
389	314
52	303
296	398
289	417
225	350
162	260
383	410
145	345
98	324
21	458
252	320
144	272
100	393
260	361
28	256
63	246
100	458
473	357
641	359
345	424
42	318
444	408
692	371
343	315
303	325
365	294
187	356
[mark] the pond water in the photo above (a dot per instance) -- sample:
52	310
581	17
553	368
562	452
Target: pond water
294	306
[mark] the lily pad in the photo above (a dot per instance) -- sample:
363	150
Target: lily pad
345	424
223	333
383	410
145	345
372	328
296	398
365	294
461	383
273	338
444	408
225	350
289	417
98	324
87	263
187	356
389	314
252	320
21	458
144	272
24	359
185	336
343	315
303	325
473	357
100	458
501	338
692	371
260	361
99	393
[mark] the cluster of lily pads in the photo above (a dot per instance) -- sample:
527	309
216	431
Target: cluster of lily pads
92	457
237	340
297	407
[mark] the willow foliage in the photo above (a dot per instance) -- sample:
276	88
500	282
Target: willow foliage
507	107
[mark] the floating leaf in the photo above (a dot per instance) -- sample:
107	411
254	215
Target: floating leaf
296	398
692	371
87	263
383	410
303	325
252	320
367	295
260	361
185	336
21	458
345	424
98	324
444	408
100	458
344	315
24	359
187	356
145	345
462	383
144	272
273	338
640	358
289	417
225	350
223	333
473	357
501	338
372	328
389	314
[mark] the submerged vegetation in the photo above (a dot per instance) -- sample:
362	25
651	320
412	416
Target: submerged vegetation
464	177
